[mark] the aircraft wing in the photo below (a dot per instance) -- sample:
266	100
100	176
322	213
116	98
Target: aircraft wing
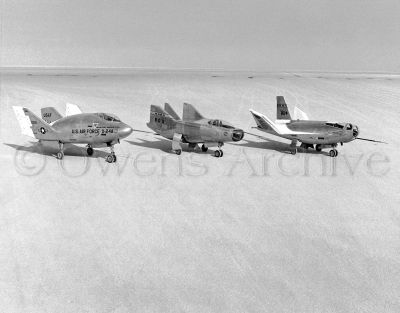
72	109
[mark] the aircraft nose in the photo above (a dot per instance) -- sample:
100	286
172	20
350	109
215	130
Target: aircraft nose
356	132
125	131
237	135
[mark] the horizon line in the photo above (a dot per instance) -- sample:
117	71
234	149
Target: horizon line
166	69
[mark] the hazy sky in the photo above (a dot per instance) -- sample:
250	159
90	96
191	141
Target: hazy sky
344	35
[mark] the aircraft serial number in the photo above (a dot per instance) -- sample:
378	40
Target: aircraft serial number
96	131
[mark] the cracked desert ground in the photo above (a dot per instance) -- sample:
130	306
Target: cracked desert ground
258	230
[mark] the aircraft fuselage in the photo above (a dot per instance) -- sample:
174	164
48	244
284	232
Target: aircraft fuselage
90	128
316	132
199	131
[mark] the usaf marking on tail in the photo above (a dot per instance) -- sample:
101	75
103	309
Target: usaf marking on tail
193	128
322	134
92	129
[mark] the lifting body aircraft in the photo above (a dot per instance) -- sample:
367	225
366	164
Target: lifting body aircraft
322	134
193	128
92	129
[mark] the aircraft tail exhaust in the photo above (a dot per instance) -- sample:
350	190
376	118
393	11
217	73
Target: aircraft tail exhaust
282	112
33	126
50	115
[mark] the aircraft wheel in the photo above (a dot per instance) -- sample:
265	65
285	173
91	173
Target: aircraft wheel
89	151
178	152
318	148
293	151
60	155
217	153
110	158
114	158
332	153
336	153
222	153
204	148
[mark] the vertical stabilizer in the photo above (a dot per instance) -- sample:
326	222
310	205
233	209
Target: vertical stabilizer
190	113
34	126
23	121
160	120
50	115
282	112
171	111
299	115
72	109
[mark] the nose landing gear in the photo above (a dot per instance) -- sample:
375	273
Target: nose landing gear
60	153
219	153
111	158
333	153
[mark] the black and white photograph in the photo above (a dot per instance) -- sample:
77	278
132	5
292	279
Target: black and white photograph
200	156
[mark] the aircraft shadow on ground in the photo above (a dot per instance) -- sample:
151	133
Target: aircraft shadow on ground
159	144
281	147
165	145
50	149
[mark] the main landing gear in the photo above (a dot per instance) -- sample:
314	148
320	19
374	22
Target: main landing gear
293	148
89	150
111	158
333	153
176	143
318	147
60	153
219	153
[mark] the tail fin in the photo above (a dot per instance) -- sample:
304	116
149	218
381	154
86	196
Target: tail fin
299	114
171	111
160	120
190	113
72	109
50	114
282	112
263	122
34	126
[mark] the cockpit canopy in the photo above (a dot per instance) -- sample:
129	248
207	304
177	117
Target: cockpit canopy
347	126
220	123
336	125
108	117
